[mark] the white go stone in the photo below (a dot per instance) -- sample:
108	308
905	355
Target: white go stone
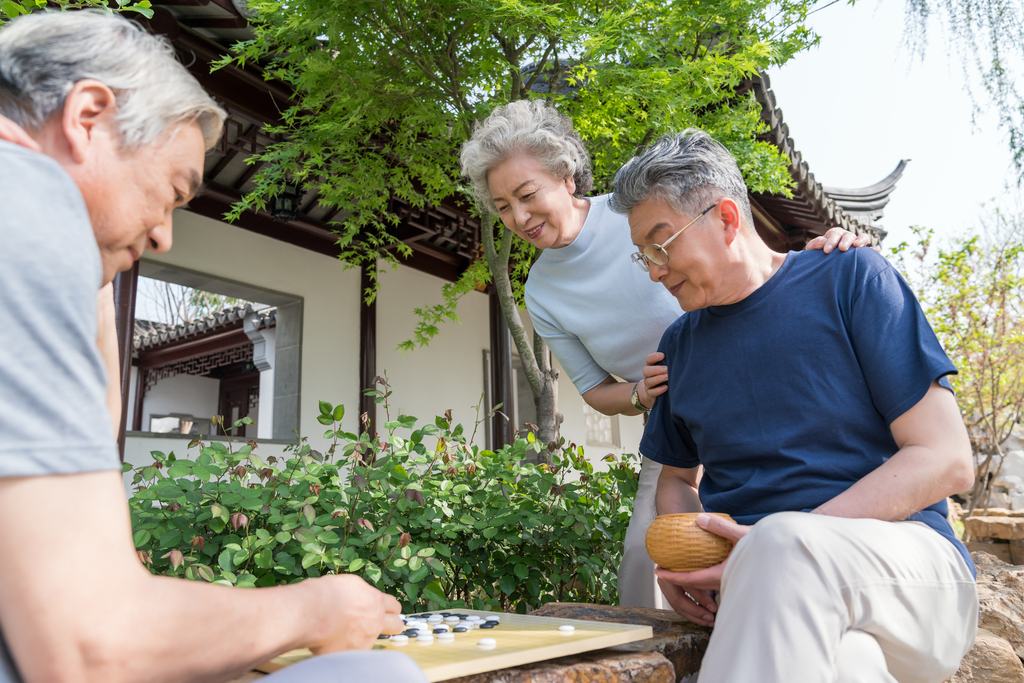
400	639
452	620
445	637
425	638
434	618
487	642
566	628
494	618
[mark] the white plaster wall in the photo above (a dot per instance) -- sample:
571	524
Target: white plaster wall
197	396
330	295
449	372
574	425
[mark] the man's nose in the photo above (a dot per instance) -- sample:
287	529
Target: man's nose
655	271
160	237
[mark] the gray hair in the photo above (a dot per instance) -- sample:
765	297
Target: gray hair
689	170
43	55
531	126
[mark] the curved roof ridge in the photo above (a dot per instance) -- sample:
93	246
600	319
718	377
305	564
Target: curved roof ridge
840	211
880	190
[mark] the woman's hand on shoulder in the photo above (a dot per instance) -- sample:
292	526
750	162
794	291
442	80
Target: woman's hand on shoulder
655	381
837	237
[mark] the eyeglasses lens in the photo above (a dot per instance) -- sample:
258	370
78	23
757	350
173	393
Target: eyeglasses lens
640	261
656	254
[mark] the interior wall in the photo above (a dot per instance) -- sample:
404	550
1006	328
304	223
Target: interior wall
197	396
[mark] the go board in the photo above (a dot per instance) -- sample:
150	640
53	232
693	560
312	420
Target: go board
519	639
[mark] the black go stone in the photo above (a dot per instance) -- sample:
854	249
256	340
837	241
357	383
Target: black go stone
428	614
460	629
489	624
383	636
440	630
412	633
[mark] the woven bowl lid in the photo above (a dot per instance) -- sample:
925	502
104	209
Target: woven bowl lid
676	543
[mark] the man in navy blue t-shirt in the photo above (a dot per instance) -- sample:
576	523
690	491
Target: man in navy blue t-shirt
836	474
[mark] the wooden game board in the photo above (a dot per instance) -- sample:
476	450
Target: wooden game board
521	639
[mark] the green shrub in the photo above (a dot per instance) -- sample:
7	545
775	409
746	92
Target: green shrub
420	513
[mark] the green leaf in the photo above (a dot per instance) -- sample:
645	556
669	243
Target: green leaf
224	561
141	538
282	537
507	584
328	537
304	535
326	408
434	591
308	513
521	571
339	413
325	419
357	564
171	538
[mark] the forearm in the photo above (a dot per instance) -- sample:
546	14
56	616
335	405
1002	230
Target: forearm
102	617
933	462
908	482
612	397
675	495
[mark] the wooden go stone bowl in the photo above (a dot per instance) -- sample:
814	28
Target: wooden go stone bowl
677	544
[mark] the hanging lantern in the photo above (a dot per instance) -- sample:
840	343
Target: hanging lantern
285	206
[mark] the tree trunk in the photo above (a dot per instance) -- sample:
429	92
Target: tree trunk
536	361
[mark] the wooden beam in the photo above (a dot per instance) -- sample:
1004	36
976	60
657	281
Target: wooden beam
194	348
126	286
367	351
502	430
140	397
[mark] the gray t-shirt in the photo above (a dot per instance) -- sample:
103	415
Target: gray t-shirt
53	416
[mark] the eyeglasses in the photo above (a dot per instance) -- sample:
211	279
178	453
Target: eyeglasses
655	253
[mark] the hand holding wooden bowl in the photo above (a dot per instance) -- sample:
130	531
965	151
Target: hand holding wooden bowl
677	544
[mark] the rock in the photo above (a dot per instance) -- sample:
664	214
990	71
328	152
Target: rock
681	642
998	512
1006	528
1001	597
991	660
998	549
602	666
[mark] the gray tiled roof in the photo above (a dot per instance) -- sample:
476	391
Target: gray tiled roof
149	334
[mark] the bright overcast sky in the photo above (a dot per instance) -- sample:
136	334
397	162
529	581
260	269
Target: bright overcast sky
860	102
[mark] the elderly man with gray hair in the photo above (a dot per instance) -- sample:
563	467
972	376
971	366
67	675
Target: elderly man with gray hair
102	135
844	565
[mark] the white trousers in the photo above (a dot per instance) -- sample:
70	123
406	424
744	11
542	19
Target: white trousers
638	586
817	599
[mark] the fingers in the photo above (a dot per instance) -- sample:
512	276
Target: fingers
722	527
392	621
656	357
706	579
682	601
816	243
861	240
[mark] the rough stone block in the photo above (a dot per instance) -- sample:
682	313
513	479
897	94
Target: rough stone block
1001	599
1006	528
601	666
991	660
999	549
681	642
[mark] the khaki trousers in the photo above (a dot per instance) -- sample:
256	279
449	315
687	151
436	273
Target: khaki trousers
827	599
638	586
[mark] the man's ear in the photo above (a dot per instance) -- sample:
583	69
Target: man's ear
731	224
89	108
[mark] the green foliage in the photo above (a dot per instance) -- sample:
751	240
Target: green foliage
388	90
972	290
424	515
988	36
10	9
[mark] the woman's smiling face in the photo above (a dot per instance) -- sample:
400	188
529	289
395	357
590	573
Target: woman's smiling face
532	203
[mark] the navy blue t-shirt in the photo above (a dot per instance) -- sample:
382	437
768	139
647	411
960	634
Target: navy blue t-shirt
786	397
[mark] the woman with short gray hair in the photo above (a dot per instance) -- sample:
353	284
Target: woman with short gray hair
600	314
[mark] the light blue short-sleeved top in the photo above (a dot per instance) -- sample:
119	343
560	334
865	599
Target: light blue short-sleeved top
600	314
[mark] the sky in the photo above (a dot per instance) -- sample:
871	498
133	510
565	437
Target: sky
861	101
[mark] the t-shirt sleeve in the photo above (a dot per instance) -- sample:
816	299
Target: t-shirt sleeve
584	372
896	346
666	438
53	414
